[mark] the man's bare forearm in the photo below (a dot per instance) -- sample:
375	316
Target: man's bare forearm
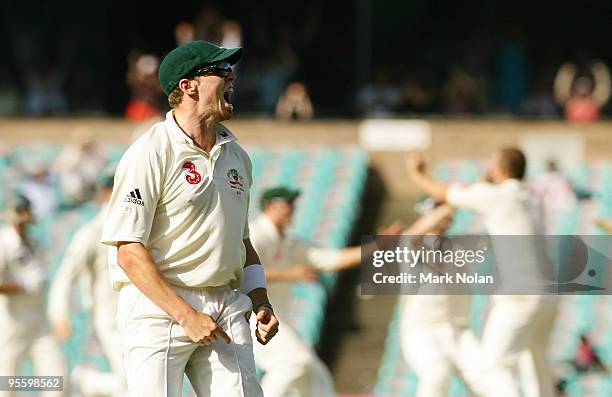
350	258
138	265
430	221
275	275
431	187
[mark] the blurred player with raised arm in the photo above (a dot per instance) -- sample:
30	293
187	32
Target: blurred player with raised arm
292	368
518	327
24	329
436	339
177	225
86	260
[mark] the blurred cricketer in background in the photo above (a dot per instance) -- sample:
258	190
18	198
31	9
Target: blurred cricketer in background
86	260
177	225
518	327
292	368
436	339
25	331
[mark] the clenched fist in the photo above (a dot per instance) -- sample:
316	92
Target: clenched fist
201	328
267	325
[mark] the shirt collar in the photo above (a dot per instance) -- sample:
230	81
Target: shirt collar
175	131
223	135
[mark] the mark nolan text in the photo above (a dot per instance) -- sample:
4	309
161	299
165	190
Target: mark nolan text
431	278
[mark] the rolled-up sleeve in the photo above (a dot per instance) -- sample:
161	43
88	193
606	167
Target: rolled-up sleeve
136	192
323	259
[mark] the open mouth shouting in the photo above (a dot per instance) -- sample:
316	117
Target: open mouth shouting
227	98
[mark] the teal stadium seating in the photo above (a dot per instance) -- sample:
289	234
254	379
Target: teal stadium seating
331	179
578	314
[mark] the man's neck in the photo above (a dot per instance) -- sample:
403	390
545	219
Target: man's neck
200	128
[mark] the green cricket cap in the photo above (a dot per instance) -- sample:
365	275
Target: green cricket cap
278	193
184	59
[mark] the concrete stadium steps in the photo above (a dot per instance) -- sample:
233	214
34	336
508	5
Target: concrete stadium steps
360	352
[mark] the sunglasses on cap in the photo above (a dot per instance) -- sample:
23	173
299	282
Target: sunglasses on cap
221	69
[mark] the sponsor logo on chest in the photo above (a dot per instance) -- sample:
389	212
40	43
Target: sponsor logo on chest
193	176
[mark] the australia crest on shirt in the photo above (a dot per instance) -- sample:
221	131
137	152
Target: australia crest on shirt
235	181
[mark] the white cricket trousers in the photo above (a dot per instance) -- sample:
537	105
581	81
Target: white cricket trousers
29	336
92	382
158	352
292	368
516	334
436	352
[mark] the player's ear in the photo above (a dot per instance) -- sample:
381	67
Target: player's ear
187	86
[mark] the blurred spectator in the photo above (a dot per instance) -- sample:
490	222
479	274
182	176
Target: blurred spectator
207	25
582	96
44	95
183	33
231	34
77	168
459	91
146	93
295	103
380	98
44	65
278	69
554	189
39	188
540	102
512	74
417	96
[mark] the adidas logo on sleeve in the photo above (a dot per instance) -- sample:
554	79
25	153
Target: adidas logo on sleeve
134	197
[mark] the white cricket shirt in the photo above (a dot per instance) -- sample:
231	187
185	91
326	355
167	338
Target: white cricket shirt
187	207
278	252
19	263
508	208
85	260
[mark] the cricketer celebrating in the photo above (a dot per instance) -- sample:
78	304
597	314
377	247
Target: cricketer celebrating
289	259
86	260
177	224
518	327
25	331
436	339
